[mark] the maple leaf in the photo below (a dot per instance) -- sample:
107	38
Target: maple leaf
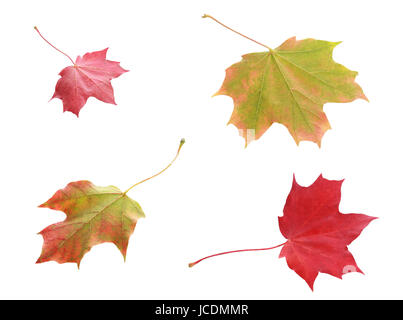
94	215
317	233
288	85
89	76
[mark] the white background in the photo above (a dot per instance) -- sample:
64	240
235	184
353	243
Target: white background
218	195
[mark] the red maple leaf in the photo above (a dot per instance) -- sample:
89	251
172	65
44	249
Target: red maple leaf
317	233
89	76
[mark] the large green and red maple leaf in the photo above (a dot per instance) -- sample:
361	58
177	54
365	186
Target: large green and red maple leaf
94	215
288	85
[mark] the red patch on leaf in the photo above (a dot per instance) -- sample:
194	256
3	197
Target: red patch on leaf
318	234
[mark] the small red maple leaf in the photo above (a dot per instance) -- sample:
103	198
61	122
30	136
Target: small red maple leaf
317	233
89	76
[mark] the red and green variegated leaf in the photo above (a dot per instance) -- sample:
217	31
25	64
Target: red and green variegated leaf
288	85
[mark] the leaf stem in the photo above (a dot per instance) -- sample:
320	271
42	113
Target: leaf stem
234	251
153	176
36	29
242	35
